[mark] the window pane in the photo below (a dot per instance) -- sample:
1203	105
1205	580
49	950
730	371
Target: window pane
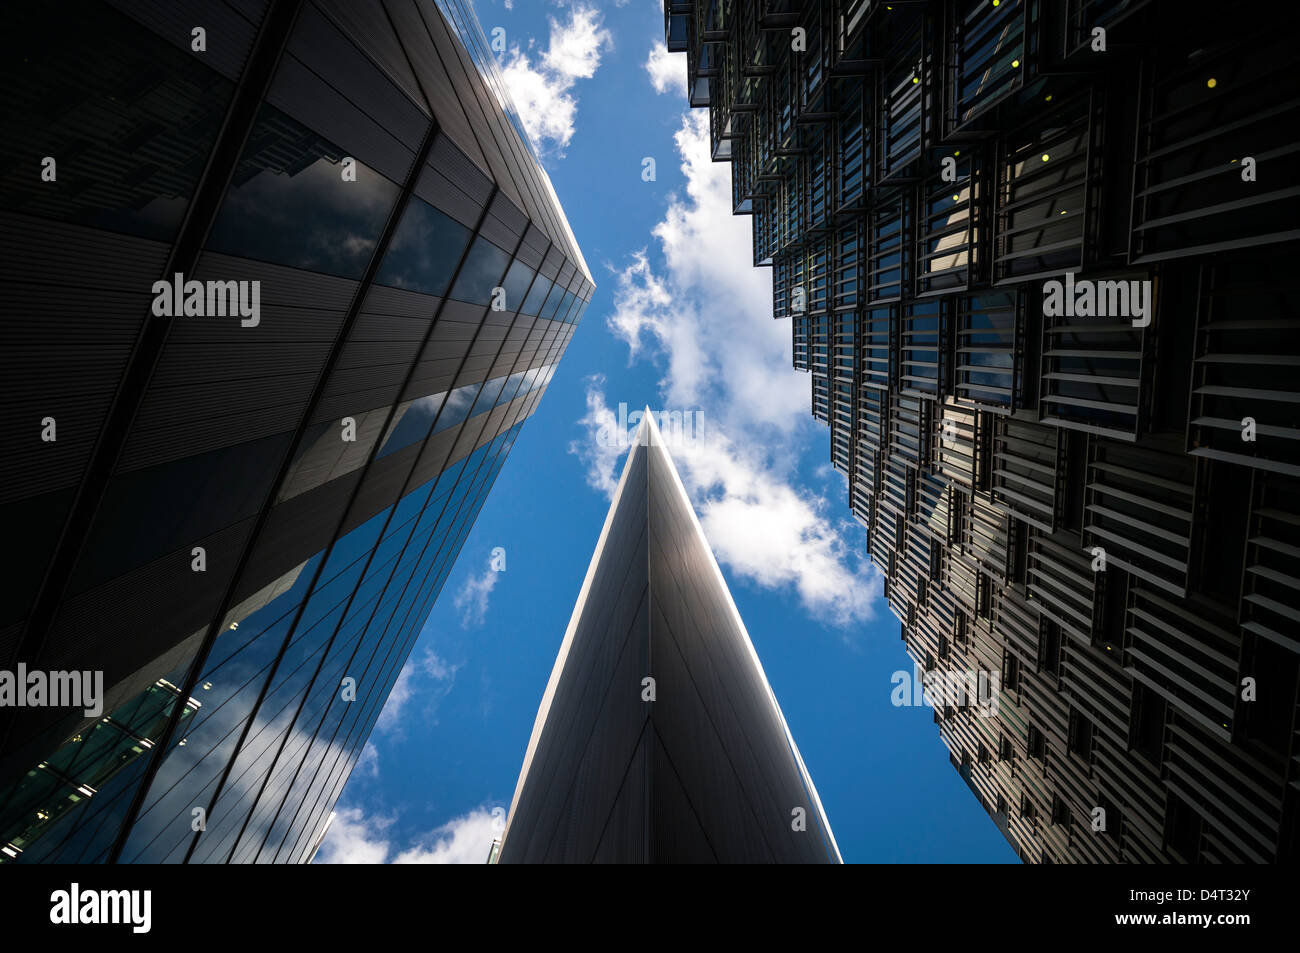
541	288
459	402
479	275
552	302
412	423
516	285
424	251
566	307
287	203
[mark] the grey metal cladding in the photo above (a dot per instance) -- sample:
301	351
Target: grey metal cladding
715	717
326	51
703	772
306	97
377	27
232	30
597	698
105	305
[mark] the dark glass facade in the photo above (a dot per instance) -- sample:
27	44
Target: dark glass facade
659	739
244	525
917	173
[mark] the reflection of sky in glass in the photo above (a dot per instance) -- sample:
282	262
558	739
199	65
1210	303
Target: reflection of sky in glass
537	295
329	728
516	284
233	679
227	690
459	402
988	335
487	397
412	421
424	251
552	302
566	307
480	273
285	204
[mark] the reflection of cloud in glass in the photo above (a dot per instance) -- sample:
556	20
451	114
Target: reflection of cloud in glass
479	275
411	423
424	251
516	284
537	295
236	669
459	401
306	218
329	456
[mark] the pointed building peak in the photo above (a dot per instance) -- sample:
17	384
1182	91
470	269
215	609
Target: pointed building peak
685	754
647	431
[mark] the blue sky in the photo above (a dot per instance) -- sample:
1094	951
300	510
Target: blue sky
680	321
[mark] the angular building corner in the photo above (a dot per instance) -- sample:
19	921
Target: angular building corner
283	279
658	738
1092	503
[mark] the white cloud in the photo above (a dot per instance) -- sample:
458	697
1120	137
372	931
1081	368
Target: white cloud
667	70
600	455
367	765
541	87
776	533
354	838
709	313
425	674
463	840
472	599
706	315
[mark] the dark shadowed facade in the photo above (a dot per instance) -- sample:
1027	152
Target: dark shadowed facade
917	173
659	739
243	521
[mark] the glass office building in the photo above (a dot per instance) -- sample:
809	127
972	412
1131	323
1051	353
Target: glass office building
659	739
242	514
1094	509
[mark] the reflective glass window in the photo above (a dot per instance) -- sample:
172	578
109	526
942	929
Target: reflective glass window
552	303
537	295
483	268
288	204
516	285
411	423
424	250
